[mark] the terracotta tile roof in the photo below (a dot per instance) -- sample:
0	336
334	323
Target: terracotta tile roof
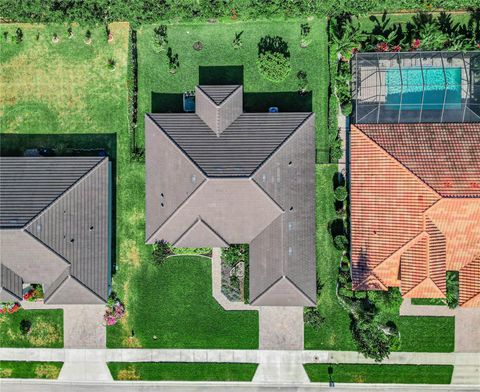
409	225
444	156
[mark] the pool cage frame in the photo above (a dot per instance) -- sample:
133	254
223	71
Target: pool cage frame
370	90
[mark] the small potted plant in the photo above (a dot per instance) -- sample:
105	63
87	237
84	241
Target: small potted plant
198	46
88	37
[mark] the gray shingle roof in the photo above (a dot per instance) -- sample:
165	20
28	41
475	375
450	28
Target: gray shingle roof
218	93
242	147
259	188
71	222
10	285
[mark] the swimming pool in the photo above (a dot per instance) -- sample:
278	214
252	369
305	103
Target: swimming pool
434	80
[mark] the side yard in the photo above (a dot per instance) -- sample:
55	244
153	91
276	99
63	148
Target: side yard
422	334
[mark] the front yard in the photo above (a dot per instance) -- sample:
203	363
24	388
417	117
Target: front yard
422	334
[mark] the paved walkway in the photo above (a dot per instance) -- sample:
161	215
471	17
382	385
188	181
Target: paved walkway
407	309
82	324
342	134
281	328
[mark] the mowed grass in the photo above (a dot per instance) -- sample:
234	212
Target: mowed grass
30	369
418	334
379	374
64	87
46	329
172	307
160	91
182	371
334	333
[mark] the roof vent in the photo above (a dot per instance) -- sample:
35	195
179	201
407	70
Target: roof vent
290	251
39	227
194	179
91	228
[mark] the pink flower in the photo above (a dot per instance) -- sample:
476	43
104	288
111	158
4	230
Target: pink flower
478	45
111	320
416	43
396	48
382	47
354	50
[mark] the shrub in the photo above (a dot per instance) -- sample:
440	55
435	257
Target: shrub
302	82
313	318
18	35
341	242
235	254
341	193
88	37
274	66
237	40
452	289
161	250
160	38
305	35
370	339
336	150
69	32
25	326
111	64
173	62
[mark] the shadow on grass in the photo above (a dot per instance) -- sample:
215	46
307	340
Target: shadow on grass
226	74
86	144
167	102
285	101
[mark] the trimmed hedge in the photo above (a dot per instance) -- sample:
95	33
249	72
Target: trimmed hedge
104	11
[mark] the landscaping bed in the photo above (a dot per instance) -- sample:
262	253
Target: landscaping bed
32	328
379	374
30	369
182	371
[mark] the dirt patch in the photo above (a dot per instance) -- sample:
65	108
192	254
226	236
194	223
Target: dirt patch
6	372
128	374
47	371
129	253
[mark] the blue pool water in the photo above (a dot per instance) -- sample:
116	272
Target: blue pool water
435	82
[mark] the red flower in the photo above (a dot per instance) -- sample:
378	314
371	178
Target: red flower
28	295
14	308
354	50
478	45
382	47
396	48
416	43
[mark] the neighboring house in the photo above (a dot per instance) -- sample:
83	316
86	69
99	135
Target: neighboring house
220	176
55	215
415	208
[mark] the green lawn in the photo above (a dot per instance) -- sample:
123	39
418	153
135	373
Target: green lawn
373	374
422	334
182	371
46	329
172	307
30	369
160	91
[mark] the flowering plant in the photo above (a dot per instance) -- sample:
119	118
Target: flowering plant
416	44
382	47
34	294
10	307
114	312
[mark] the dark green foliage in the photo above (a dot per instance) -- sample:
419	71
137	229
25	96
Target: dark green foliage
370	340
336	150
452	289
313	318
302	82
173	62
160	38
341	242
273	61
389	300
161	250
18	35
237	40
235	253
25	326
341	193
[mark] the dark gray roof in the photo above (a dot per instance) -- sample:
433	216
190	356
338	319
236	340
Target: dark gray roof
10	285
218	93
242	147
259	189
75	224
28	185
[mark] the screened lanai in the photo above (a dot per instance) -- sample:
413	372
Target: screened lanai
416	87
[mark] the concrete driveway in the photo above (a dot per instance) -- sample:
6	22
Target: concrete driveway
83	326
281	327
467	330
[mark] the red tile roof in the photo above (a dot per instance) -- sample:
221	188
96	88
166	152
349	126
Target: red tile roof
415	210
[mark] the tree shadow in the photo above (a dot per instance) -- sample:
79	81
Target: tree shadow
285	101
86	144
336	227
275	44
167	102
224	74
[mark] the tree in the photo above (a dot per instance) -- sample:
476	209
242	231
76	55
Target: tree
18	35
370	339
340	242
341	193
25	326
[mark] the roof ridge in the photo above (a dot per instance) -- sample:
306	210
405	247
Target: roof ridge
196	222
396	160
81	178
266	289
225	98
275	150
46	246
69	276
182	151
175	212
274	202
299	289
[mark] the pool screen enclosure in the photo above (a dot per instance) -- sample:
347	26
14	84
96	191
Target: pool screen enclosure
416	87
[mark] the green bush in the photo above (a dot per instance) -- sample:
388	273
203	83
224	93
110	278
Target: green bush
341	193
341	242
161	250
235	253
160	38
274	66
452	289
313	318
